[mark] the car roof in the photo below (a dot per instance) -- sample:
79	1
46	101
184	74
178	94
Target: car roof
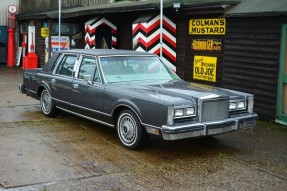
94	52
105	52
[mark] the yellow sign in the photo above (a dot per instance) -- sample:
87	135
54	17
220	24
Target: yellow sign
207	26
204	68
44	32
210	45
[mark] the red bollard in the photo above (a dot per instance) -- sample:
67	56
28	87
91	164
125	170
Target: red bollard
11	48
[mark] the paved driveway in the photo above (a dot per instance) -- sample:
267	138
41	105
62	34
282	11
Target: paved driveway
70	153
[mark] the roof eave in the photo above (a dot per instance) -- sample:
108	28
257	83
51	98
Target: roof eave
93	11
256	14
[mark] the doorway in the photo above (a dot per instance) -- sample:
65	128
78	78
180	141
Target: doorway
281	108
104	37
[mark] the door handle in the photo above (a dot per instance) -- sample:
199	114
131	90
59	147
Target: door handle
53	81
75	85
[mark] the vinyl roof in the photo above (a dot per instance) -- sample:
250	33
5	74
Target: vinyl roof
105	52
94	52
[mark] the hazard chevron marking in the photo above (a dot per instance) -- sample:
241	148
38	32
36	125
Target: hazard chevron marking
146	37
90	30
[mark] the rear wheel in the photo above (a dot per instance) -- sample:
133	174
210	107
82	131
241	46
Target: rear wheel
130	131
47	104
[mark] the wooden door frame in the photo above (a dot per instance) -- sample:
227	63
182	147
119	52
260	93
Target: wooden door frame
282	79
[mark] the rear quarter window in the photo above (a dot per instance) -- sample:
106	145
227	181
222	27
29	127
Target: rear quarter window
66	65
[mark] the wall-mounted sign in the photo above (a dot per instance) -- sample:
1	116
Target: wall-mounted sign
12	9
204	68
64	44
207	26
44	32
207	45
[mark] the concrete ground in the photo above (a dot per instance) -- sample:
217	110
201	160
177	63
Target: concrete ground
70	153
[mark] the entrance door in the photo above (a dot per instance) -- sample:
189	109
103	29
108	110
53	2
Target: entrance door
281	109
104	37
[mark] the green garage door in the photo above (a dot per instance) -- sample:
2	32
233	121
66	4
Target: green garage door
281	109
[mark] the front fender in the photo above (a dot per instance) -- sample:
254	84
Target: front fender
125	103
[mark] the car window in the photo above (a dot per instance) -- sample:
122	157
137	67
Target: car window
135	68
89	67
66	65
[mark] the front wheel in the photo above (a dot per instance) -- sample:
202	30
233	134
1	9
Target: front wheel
130	131
47	104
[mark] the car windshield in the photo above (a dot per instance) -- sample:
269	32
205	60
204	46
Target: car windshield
135	68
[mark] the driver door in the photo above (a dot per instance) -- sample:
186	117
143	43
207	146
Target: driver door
88	95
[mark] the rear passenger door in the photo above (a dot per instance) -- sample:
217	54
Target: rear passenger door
88	95
62	80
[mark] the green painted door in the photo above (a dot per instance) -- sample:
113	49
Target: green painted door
281	108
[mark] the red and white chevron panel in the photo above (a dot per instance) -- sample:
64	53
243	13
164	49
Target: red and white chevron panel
91	29
146	38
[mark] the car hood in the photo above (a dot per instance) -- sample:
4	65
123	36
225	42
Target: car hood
178	91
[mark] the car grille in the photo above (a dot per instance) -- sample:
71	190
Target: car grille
214	109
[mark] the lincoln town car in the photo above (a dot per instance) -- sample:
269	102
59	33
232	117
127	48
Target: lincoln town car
137	94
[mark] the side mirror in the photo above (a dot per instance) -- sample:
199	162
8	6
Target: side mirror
88	78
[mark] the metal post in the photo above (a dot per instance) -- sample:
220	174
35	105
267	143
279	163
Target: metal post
49	39
161	17
60	3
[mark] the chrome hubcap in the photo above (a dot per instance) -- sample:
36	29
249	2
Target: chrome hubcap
46	102
127	128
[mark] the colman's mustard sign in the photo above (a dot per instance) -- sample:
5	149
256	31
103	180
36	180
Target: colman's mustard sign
207	26
204	68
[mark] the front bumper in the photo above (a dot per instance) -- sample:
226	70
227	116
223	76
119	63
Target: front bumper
176	132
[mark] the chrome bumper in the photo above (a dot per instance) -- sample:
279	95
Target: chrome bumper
176	132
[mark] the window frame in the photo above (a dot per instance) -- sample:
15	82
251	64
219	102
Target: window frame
82	56
60	61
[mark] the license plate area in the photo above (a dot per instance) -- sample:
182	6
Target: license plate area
214	129
220	130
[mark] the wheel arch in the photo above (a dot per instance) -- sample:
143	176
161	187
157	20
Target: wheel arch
126	105
134	137
41	87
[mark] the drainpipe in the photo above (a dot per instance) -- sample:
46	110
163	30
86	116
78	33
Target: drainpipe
60	3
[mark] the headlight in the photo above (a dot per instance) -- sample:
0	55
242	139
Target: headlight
184	112
237	105
241	105
174	113
178	112
232	105
189	111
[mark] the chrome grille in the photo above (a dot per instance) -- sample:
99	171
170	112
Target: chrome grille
214	109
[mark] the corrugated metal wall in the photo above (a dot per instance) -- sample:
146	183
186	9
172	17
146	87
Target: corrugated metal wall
251	59
30	6
4	4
